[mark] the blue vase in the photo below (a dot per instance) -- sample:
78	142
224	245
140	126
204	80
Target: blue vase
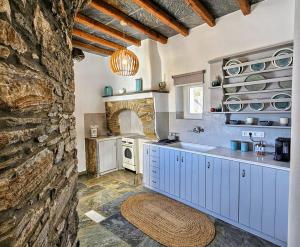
245	146
108	91
234	145
139	85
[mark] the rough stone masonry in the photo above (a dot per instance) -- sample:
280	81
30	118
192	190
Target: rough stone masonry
38	172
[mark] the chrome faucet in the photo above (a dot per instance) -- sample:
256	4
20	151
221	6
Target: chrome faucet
198	130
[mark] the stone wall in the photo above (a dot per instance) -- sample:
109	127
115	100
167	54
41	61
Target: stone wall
38	172
144	108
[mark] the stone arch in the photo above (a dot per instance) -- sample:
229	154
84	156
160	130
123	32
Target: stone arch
144	108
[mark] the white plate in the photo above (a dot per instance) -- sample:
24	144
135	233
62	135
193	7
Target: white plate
236	70
283	51
281	106
236	107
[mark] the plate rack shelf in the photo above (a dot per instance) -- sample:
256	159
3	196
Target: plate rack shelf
271	80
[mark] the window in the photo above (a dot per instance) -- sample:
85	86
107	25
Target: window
193	101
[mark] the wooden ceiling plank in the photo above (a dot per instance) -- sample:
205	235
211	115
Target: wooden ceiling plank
163	16
245	6
95	39
93	24
120	16
91	48
198	7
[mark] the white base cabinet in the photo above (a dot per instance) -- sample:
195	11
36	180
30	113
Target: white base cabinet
252	197
107	156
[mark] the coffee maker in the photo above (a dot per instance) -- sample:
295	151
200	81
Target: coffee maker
282	149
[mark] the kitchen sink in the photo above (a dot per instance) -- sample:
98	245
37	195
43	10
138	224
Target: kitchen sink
192	146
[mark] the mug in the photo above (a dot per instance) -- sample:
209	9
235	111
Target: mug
250	120
245	146
284	121
234	145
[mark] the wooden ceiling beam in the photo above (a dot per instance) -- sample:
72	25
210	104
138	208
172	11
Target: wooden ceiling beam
96	39
245	6
163	16
198	7
120	16
91	48
93	24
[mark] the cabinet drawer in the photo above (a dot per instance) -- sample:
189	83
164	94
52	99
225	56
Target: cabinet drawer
154	161
154	151
154	171
154	182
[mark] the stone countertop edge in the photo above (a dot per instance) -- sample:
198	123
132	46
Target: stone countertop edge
247	157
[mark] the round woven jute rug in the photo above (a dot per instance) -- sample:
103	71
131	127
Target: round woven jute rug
167	221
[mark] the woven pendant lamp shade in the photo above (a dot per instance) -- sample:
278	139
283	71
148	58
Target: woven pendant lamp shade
124	62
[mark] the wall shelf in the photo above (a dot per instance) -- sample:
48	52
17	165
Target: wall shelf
262	60
252	112
258	126
257	101
218	87
240	84
258	72
263	91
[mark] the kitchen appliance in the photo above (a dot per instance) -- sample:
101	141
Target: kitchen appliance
282	149
94	131
129	153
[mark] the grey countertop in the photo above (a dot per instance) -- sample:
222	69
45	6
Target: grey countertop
247	157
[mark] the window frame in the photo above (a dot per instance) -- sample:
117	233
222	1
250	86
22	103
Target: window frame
186	101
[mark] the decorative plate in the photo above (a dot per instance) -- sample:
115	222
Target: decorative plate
284	62
257	67
285	84
234	107
236	70
255	87
281	106
232	89
256	106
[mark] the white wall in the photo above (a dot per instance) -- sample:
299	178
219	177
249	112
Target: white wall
90	75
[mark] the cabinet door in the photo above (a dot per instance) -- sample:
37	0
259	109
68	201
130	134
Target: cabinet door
201	180
167	170
230	189
209	183
107	155
162	153
244	203
182	175
188	176
256	197
217	173
269	200
198	180
282	198
146	164
175	164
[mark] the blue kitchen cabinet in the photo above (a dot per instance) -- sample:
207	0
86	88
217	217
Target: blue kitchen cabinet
213	184
209	169
282	198
174	168
269	201
245	196
230	189
162	152
146	165
256	195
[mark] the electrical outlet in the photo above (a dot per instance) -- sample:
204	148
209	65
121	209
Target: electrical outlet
257	134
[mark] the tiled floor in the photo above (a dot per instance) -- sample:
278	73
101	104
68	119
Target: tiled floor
105	194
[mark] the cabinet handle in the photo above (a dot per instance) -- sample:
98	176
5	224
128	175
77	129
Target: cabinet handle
243	173
154	161
154	182
208	166
177	158
154	171
182	159
147	151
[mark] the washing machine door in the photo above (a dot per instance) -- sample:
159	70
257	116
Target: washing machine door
128	155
